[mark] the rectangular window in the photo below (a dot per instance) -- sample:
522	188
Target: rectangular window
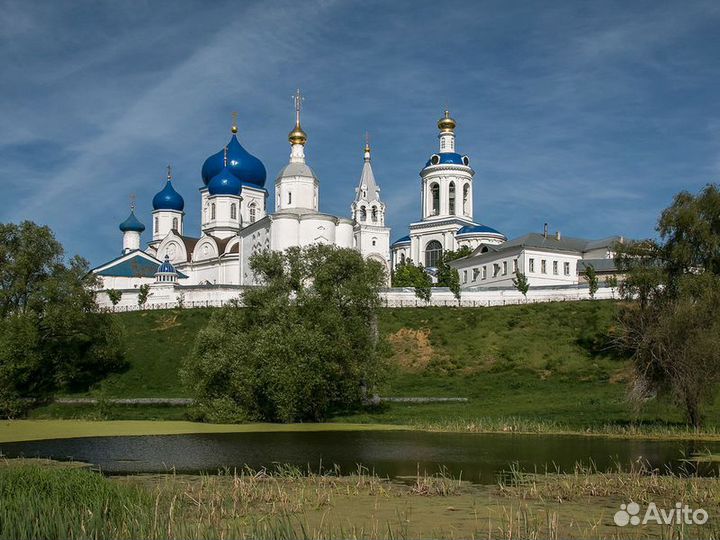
543	266
476	273
504	268
531	265
464	276
496	269
515	266
484	273
555	268
567	268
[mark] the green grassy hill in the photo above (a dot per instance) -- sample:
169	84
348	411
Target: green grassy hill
539	362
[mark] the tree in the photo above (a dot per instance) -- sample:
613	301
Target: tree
143	294
611	282
592	280
407	274
521	283
448	276
669	323
52	334
114	296
305	344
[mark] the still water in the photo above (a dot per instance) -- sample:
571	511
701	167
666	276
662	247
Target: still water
477	457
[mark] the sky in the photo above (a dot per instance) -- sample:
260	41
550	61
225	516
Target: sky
586	115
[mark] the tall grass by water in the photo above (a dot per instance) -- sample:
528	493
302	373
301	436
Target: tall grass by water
40	500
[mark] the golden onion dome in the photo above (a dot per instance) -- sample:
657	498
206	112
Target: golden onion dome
297	135
446	124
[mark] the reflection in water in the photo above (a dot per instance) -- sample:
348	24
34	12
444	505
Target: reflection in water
477	457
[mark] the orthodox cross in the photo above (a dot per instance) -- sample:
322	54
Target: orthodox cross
132	201
169	172
234	122
298	99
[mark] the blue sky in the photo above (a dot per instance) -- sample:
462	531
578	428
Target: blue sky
586	115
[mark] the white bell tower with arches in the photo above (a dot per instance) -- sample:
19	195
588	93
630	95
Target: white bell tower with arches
371	236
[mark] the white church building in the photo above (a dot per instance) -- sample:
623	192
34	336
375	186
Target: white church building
237	223
212	266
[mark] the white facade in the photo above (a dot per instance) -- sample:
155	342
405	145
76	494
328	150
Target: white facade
446	207
370	235
546	260
235	223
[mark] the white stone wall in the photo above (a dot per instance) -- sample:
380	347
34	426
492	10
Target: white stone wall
395	297
296	192
163	222
498	269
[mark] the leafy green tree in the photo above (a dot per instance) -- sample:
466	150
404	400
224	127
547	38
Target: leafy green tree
669	323
521	283
52	335
304	344
114	296
448	276
407	274
143	294
611	282
592	280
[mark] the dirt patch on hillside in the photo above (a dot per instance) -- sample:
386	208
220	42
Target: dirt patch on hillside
412	350
167	322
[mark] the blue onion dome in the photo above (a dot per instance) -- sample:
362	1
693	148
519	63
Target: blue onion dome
225	183
246	167
132	224
166	267
168	199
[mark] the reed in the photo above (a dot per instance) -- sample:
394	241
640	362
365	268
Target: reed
47	500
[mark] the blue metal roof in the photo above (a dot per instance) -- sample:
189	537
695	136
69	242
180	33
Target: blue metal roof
243	165
403	240
478	229
447	158
225	183
168	199
132	224
138	265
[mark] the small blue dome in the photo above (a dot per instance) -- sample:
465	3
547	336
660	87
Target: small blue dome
477	229
166	267
449	158
243	165
225	183
168	199
132	224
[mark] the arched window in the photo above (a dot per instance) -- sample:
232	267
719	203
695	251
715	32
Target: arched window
175	223
374	241
212	211
374	214
157	224
466	199
363	213
435	197
451	199
233	211
252	213
433	252
289	197
402	258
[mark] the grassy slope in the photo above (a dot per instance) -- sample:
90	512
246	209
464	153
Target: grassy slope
540	362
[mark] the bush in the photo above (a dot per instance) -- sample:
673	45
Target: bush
305	344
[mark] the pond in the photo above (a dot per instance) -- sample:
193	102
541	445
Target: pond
478	458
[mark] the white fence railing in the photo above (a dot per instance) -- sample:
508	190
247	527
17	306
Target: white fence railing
391	298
